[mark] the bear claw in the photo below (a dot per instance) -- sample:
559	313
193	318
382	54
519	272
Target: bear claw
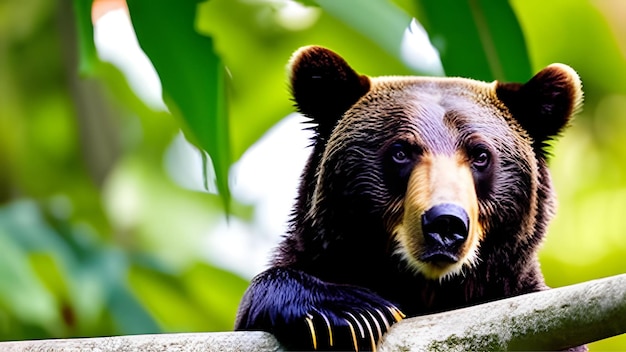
364	326
397	313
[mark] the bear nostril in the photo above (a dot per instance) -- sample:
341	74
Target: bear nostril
445	226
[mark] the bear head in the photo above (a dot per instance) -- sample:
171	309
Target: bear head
439	173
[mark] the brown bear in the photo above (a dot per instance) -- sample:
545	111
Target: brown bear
421	195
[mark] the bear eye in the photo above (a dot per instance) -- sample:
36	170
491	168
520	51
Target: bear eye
480	158
400	153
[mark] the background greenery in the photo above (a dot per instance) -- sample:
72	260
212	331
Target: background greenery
97	239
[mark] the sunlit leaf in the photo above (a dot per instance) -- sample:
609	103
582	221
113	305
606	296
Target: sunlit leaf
481	39
202	298
217	291
168	301
386	30
579	34
87	56
50	274
192	76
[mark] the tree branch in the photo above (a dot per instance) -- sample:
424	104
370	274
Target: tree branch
556	319
551	320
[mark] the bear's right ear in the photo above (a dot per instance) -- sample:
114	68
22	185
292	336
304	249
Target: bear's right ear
324	86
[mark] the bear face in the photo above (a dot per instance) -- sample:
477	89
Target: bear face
421	194
406	150
395	150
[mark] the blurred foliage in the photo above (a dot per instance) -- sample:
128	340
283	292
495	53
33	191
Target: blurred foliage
96	238
480	39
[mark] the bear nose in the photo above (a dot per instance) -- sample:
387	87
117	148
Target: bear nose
445	227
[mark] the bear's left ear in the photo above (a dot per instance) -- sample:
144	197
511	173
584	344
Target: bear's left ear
324	86
544	105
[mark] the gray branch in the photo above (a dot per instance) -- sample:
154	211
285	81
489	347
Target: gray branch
196	342
550	320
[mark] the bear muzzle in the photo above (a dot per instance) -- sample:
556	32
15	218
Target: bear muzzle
439	234
445	228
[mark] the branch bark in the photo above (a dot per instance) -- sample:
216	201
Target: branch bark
205	342
551	320
556	319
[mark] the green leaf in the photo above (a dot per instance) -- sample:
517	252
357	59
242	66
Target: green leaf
386	31
129	316
87	55
192	76
110	268
168	302
21	292
216	291
481	39
252	29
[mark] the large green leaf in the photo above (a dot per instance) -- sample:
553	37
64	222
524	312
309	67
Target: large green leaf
386	31
481	39
191	73
256	46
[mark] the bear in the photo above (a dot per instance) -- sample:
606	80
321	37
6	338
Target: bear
421	195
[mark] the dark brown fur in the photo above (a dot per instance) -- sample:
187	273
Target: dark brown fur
349	216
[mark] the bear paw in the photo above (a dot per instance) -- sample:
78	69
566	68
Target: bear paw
306	313
358	329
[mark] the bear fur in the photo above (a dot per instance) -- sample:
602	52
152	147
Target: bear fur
421	195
